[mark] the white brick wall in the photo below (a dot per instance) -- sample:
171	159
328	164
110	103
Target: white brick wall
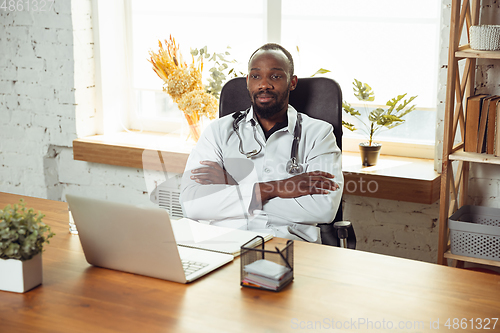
34	96
47	96
46	78
402	229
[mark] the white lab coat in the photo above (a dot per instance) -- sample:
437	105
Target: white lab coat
229	206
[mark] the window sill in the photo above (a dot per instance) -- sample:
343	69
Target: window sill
393	178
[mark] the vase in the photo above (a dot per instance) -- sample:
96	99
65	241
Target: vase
369	154
191	129
20	276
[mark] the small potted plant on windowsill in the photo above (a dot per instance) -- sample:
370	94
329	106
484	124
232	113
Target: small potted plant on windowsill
22	236
377	119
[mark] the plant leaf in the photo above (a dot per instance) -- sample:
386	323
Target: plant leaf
321	71
349	126
349	109
363	91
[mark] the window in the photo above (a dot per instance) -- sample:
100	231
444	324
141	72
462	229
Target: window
194	24
391	44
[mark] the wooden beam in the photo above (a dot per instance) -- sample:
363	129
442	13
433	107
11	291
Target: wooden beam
459	109
464	14
458	147
448	130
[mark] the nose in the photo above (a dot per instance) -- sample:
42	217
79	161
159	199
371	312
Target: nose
265	84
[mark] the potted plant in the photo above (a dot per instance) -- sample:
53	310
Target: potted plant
377	119
22	236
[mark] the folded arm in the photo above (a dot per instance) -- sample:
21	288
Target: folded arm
208	192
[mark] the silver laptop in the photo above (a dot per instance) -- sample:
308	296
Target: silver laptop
137	240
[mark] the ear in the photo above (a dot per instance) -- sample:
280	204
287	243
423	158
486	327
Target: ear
247	81
293	82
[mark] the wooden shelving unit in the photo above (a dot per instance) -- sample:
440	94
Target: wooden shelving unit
464	51
454	186
449	255
474	157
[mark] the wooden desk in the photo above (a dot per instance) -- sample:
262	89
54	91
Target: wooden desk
330	284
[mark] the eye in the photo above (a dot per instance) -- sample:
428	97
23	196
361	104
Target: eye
276	76
254	76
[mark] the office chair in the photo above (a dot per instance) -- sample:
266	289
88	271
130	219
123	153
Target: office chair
319	98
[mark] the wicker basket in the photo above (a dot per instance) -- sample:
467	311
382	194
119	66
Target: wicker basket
485	37
475	232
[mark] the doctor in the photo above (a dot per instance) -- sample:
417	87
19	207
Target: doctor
247	170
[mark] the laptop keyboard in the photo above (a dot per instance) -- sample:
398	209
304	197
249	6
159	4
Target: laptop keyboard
192	266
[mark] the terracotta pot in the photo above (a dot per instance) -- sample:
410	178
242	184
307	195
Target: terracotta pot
369	154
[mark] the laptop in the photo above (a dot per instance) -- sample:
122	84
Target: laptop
137	240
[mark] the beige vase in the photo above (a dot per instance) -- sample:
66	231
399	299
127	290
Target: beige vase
191	130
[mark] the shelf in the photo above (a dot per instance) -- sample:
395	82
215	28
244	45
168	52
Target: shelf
465	51
450	255
393	178
474	157
460	84
128	149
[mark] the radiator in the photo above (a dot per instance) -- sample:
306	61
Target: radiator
169	199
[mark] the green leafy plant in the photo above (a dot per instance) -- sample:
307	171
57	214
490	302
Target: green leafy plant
379	118
220	70
22	232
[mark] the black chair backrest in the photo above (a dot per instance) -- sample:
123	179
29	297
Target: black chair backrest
319	98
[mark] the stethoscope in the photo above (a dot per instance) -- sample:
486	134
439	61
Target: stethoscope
292	167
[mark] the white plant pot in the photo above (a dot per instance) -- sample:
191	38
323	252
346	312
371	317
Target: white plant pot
20	276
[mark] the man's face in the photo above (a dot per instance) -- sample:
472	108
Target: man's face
268	82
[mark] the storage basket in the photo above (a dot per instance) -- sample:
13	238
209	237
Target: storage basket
250	254
485	37
475	232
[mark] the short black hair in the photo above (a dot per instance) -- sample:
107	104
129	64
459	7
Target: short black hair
275	47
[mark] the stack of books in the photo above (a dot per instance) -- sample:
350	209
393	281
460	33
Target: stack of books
482	116
267	275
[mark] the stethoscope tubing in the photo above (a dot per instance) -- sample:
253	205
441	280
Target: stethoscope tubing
292	166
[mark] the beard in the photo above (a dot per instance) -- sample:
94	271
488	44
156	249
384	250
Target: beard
269	110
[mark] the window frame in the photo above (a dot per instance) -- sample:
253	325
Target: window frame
124	100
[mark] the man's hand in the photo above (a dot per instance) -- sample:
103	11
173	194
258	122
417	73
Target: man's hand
314	182
212	174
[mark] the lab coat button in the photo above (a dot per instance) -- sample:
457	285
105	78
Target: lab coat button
267	170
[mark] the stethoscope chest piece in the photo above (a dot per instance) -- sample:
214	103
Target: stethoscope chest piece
293	168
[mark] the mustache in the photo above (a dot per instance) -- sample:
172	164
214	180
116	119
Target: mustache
265	93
